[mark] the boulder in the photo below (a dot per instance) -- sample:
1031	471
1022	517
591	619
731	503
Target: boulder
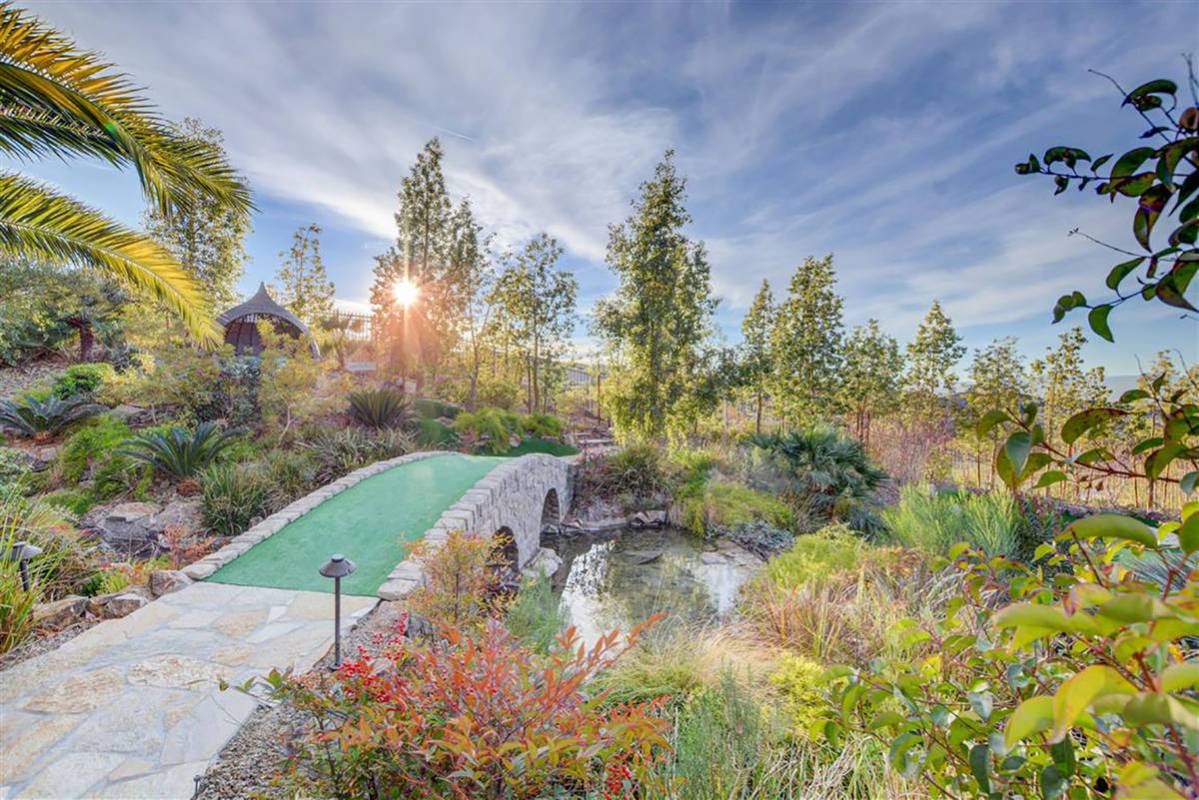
546	562
649	519
131	415
136	529
60	613
121	604
127	528
165	581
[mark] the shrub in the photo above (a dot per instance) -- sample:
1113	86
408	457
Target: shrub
434	434
535	615
291	474
51	572
82	380
828	473
1095	692
467	716
15	470
542	426
724	505
491	428
233	495
177	452
386	407
801	682
639	475
934	522
461	581
815	556
540	446
435	409
338	452
90	446
44	419
77	501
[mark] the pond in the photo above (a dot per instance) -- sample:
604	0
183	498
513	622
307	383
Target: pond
619	578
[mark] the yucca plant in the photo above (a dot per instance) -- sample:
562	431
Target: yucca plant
44	419
381	408
58	100
177	452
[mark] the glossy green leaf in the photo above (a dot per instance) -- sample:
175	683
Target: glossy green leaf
1158	86
1128	163
1149	708
989	421
1030	717
1017	448
1122	271
1084	421
980	762
1077	692
1049	478
1188	482
1113	526
1053	783
1178	677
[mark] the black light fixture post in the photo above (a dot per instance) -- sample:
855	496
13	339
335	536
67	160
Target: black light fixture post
337	568
22	552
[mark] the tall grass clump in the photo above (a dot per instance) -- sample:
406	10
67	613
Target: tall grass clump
815	556
535	616
934	522
23	520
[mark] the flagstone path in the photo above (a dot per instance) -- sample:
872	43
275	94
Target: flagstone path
131	709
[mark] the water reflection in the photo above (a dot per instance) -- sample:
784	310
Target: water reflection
617	580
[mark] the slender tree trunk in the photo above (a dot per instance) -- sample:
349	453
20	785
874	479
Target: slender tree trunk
758	415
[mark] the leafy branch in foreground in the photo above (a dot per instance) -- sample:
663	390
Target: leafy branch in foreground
1155	176
1070	686
1027	452
58	100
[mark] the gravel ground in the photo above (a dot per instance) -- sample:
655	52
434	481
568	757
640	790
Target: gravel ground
18	379
251	759
43	643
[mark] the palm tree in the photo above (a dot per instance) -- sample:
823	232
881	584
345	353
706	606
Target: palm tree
56	100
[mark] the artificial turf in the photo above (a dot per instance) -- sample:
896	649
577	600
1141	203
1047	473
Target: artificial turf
371	523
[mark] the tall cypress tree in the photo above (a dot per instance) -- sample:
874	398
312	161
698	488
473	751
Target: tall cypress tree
658	320
419	255
755	348
806	344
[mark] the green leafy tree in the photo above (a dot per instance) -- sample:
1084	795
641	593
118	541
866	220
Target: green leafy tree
660	317
756	361
997	380
304	287
539	303
207	238
1062	385
871	376
56	100
932	357
423	234
806	343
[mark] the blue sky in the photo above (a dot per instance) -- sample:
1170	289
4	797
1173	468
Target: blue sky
884	133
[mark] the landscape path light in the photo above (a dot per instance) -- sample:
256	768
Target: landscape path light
337	568
22	552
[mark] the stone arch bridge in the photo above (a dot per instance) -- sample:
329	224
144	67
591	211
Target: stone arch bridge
515	501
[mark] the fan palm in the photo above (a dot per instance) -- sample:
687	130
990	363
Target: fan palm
56	100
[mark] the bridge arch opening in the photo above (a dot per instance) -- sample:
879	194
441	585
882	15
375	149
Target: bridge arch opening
550	510
505	555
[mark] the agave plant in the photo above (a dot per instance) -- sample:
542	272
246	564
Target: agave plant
57	100
43	419
178	452
381	408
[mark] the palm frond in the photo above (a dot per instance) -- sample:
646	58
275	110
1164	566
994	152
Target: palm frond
57	99
37	224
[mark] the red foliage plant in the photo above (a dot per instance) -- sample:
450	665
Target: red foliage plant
472	716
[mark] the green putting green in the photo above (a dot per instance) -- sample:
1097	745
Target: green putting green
370	523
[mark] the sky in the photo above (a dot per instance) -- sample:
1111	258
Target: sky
884	133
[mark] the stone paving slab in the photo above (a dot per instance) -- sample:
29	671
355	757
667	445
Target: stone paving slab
131	708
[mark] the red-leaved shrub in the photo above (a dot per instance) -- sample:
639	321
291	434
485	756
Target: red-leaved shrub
471	716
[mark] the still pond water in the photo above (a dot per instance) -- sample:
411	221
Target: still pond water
620	578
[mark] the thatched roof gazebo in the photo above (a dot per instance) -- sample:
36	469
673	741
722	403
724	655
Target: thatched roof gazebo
241	323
